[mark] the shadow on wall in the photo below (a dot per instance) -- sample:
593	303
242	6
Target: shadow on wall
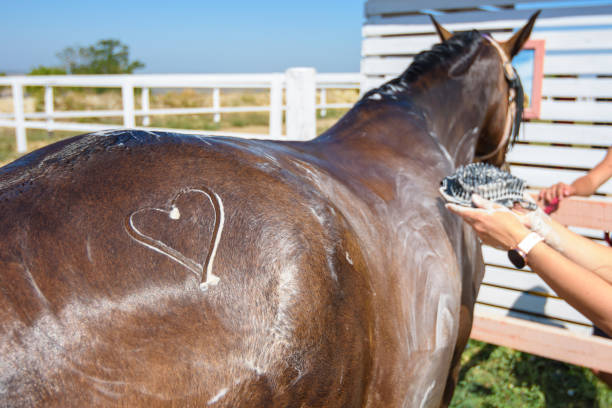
533	307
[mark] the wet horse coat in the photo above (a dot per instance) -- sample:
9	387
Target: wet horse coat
147	268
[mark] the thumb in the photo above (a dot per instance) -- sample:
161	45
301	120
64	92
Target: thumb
482	203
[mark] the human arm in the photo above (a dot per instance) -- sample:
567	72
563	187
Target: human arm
582	288
582	186
586	253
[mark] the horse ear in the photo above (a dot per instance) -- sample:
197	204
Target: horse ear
514	44
442	32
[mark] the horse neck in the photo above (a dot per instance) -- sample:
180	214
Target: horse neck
447	111
455	112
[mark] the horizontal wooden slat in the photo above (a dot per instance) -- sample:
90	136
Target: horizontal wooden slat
595	234
555	156
373	7
577	64
585	111
538	178
491	20
551	342
517	300
497	257
397	45
560	64
520	280
542	177
480	309
596	39
589	135
577	87
498	20
584	213
385	66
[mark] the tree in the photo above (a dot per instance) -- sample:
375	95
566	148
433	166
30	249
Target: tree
108	56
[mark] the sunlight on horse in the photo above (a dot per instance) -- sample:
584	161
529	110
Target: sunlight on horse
156	269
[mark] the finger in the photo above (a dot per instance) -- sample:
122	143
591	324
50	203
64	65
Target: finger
548	196
528	197
464	212
483	203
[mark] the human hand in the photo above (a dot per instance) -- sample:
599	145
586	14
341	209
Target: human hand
556	193
495	224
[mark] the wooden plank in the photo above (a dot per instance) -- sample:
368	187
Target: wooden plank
397	45
585	213
585	111
520	280
385	66
550	342
577	64
518	300
373	7
560	64
589	135
480	309
488	20
595	39
496	257
577	87
542	177
504	19
555	156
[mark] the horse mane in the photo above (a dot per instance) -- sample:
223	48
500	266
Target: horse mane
455	55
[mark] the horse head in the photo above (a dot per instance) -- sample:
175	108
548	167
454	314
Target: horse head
504	110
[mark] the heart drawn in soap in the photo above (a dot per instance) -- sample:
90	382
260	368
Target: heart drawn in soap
192	224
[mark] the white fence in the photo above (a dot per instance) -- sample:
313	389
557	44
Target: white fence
298	84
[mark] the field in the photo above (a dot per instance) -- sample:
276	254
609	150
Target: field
490	376
248	122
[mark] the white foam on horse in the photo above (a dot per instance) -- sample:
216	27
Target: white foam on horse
218	396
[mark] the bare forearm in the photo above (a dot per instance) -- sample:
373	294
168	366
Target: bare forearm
584	186
580	287
581	250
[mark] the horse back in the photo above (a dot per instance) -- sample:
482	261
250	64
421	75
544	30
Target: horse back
108	240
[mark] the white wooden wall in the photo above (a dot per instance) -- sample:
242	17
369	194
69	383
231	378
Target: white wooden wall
569	138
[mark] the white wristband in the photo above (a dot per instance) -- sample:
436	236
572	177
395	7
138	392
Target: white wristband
527	244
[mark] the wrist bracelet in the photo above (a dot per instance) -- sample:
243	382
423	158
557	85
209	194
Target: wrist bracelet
518	254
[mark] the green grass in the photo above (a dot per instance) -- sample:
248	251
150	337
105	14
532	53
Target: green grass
494	376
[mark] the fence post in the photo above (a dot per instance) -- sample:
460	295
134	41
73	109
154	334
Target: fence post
276	108
20	130
144	103
323	101
127	95
301	103
216	104
49	107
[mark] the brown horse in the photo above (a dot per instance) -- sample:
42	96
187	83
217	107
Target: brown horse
155	269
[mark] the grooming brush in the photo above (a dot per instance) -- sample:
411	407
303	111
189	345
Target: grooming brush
487	181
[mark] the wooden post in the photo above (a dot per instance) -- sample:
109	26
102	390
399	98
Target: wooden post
323	101
276	108
20	130
49	108
144	102
301	107
127	95
216	104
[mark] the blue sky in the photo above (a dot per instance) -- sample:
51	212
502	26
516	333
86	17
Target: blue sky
189	36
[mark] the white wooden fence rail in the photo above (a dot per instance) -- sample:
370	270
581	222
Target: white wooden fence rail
300	123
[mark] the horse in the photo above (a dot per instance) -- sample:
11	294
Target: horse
145	268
